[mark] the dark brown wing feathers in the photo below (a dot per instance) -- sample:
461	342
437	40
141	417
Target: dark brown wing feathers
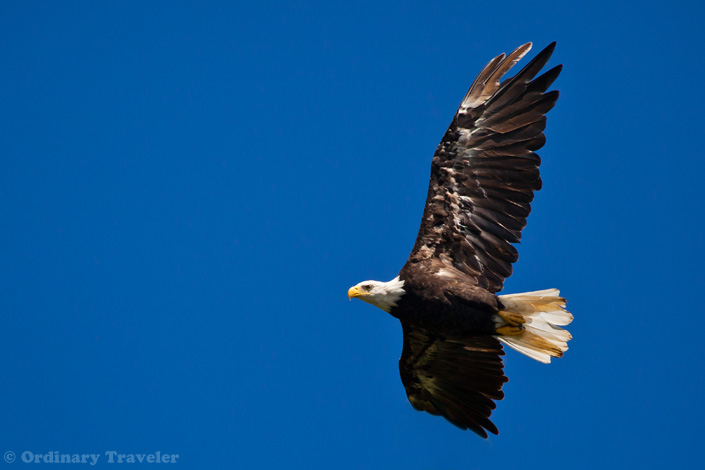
487	82
453	378
485	172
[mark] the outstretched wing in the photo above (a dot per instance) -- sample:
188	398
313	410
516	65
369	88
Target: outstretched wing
484	172
453	378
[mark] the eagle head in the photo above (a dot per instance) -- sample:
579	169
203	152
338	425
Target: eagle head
384	295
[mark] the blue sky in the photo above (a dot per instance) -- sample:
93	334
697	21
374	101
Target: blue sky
187	191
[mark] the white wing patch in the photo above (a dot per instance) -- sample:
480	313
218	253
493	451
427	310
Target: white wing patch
446	274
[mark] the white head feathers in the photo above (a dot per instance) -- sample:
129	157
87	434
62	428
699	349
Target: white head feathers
384	295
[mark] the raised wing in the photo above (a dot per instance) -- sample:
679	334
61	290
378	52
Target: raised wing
453	378
484	172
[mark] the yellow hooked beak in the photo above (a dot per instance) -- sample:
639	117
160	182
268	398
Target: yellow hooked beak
355	292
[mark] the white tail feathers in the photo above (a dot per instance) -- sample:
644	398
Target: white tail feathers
543	313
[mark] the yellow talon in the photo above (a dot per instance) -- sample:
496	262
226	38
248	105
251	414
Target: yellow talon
510	330
512	318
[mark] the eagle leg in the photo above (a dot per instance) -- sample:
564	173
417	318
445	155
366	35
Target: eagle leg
512	318
510	330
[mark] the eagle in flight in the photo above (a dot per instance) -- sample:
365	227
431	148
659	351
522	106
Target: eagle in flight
483	177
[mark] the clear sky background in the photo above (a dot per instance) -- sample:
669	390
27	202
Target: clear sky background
187	192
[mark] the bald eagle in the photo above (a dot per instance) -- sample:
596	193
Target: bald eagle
483	177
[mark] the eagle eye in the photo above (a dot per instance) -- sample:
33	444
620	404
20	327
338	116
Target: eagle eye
367	287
